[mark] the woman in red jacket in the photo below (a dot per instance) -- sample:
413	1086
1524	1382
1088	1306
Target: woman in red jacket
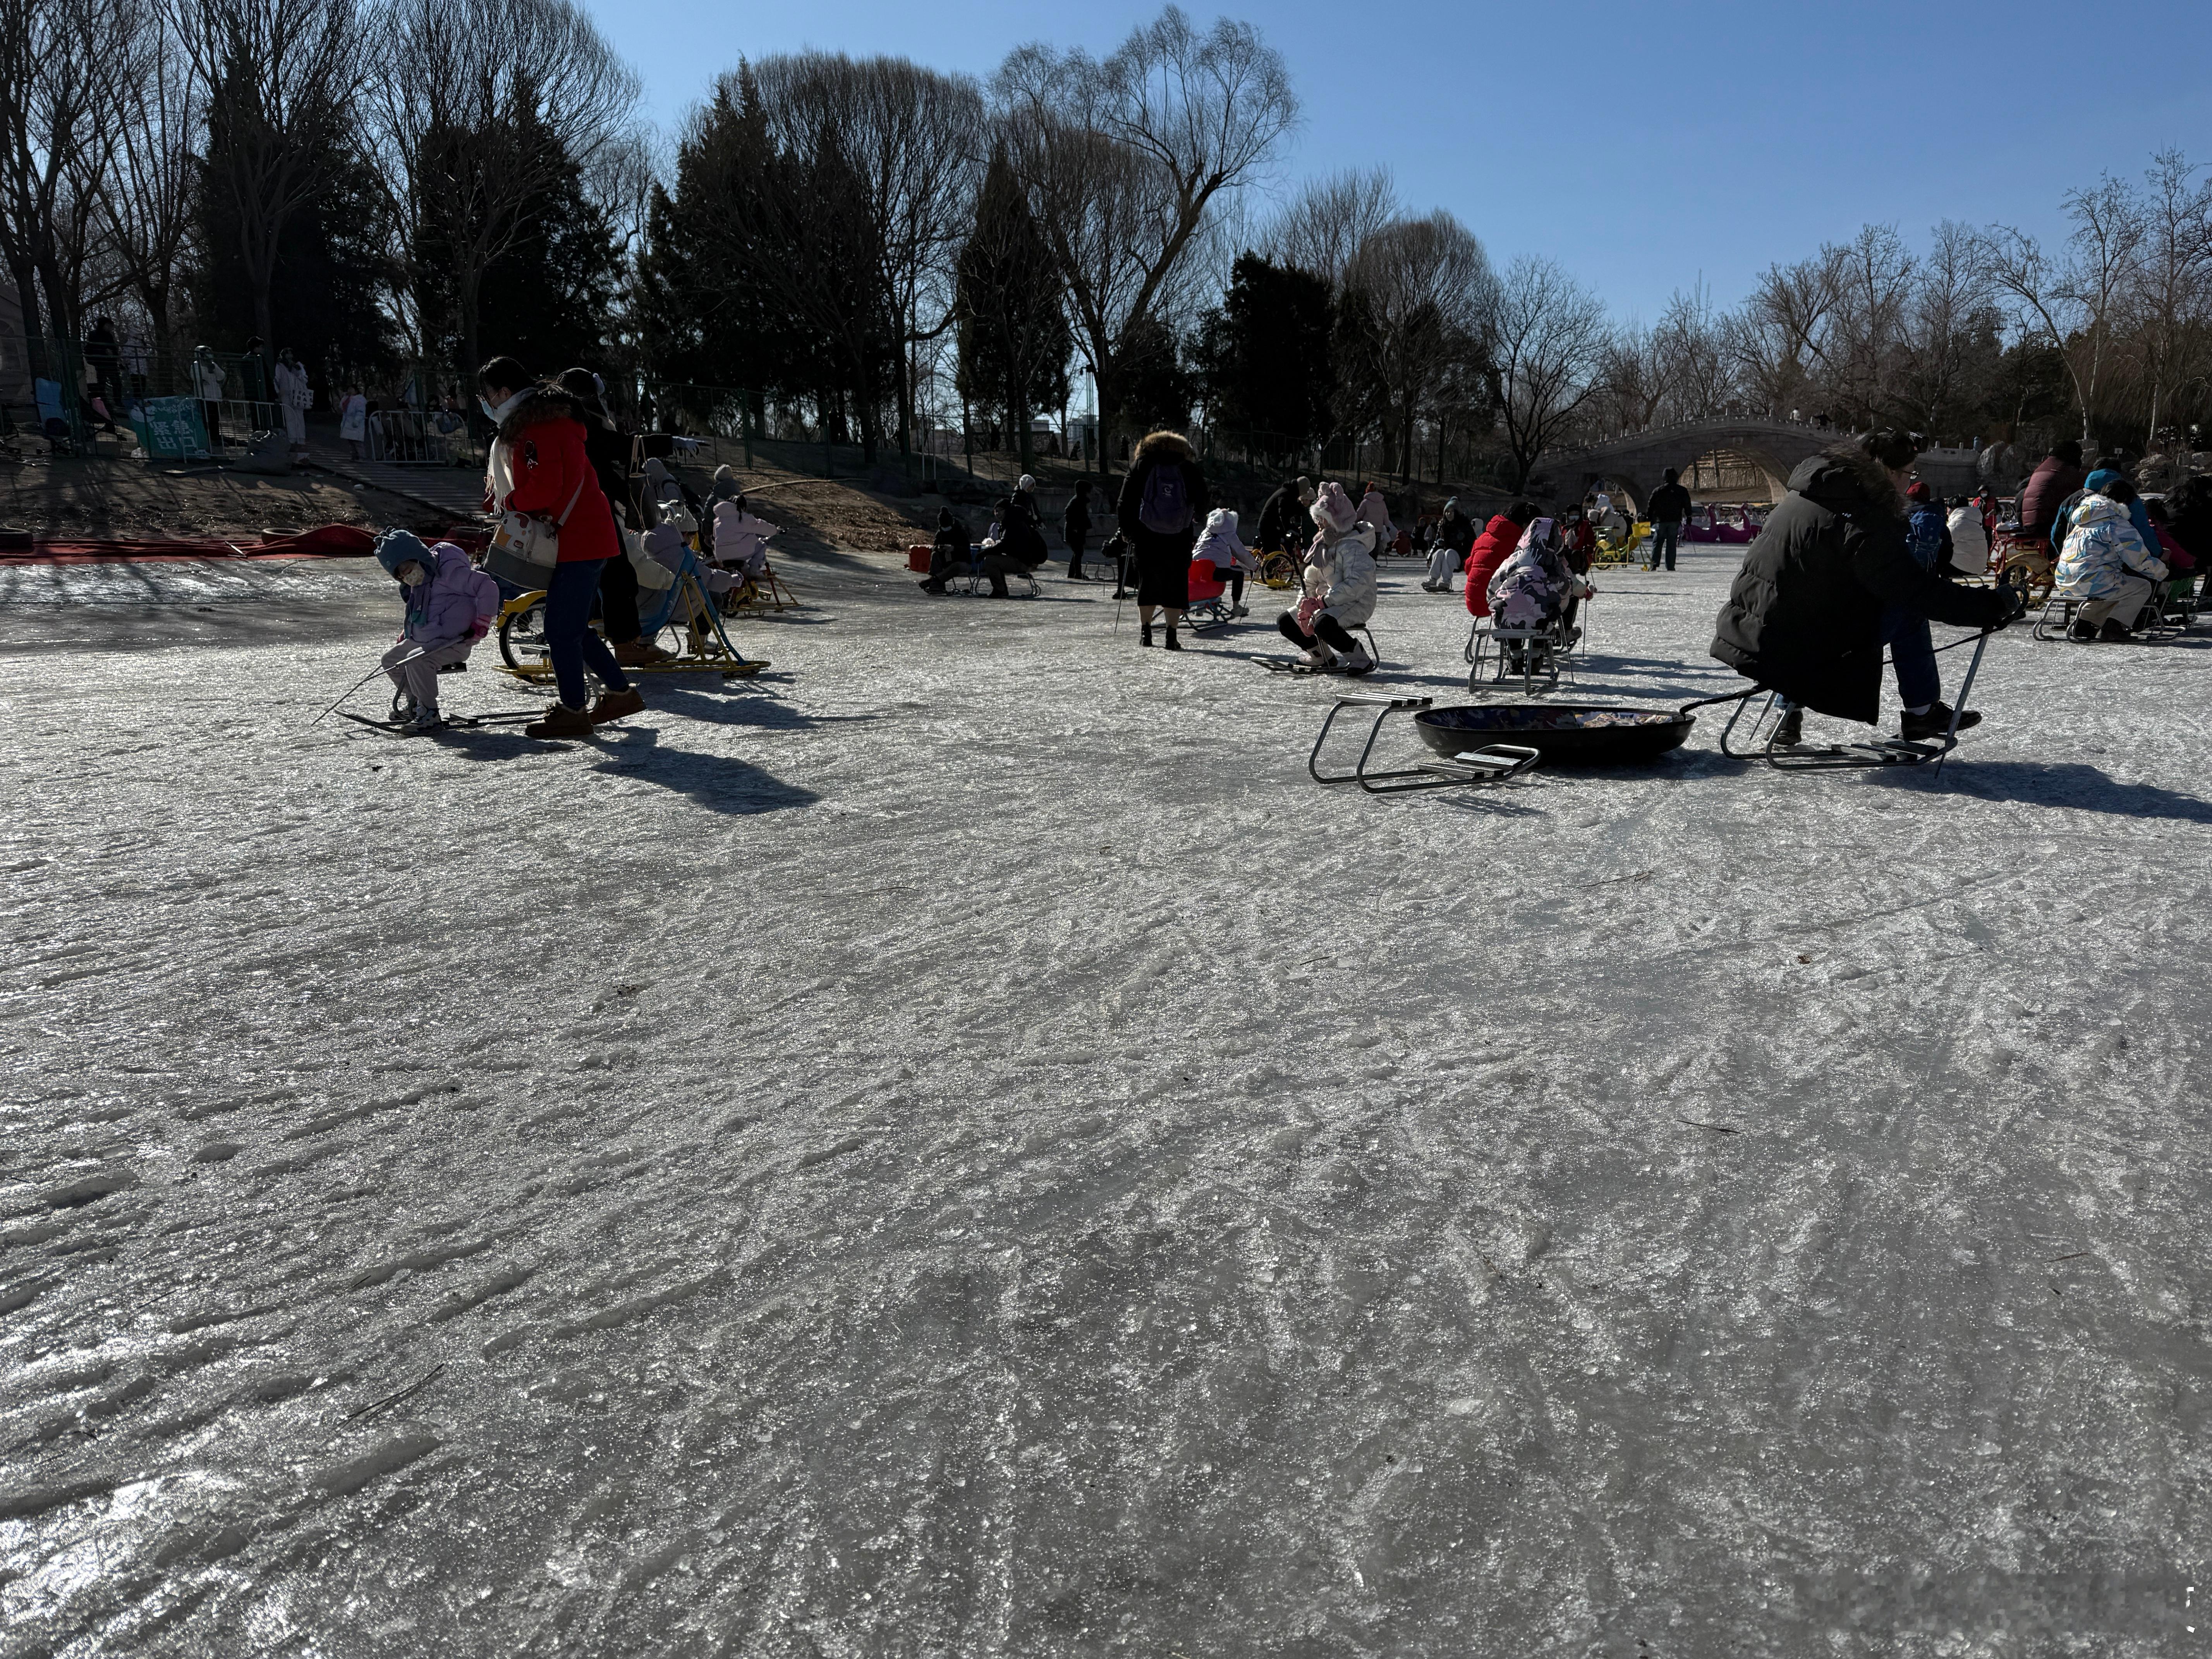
1491	549
554	481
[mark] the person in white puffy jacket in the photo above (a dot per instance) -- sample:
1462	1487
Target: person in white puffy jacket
740	539
1343	553
1970	540
1220	545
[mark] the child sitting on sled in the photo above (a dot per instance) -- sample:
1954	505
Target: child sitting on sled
449	604
1232	560
741	540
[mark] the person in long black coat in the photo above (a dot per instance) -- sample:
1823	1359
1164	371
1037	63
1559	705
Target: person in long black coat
1805	616
1163	546
1283	522
1075	524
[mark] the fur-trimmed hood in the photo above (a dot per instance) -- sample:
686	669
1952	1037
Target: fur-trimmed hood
1163	446
1846	479
538	407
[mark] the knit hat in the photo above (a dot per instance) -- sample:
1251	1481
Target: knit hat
1027	482
1333	509
2097	481
1916	491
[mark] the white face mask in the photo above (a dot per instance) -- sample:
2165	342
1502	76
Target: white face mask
497	412
412	576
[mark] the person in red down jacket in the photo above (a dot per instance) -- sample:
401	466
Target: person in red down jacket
1491	549
540	447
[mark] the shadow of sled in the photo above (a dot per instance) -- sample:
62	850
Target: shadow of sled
2071	784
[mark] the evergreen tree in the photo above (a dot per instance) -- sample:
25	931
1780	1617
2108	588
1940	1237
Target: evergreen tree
1012	335
1154	386
1264	359
332	269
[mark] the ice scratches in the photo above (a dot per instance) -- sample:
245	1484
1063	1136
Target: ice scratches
638	1307
87	1189
498	1285
19	1503
396	1453
824	1154
418	1261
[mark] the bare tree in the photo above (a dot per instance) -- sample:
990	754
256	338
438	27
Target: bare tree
1425	290
60	61
914	138
2072	303
1322	228
2167	299
1693	359
1947	324
1548	337
480	108
282	77
1124	159
151	191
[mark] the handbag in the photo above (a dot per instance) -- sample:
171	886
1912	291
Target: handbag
524	549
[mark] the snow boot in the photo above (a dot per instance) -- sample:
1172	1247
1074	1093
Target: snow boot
2082	631
1238	610
1920	728
1173	644
424	721
1359	662
938	588
560	721
1789	730
2114	632
613	705
1144	634
1319	658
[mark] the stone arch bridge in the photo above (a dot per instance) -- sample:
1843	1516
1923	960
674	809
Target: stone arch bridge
1636	465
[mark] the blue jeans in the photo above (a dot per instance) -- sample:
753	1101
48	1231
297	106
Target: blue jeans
1913	656
569	637
1663	538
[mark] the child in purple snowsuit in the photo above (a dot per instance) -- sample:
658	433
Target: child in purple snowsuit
451	604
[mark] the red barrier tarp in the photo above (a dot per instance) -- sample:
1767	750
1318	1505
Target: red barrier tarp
329	541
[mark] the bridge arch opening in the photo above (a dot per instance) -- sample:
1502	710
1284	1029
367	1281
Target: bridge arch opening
1735	475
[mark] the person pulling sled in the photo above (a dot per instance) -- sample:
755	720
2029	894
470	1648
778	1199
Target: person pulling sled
1831	580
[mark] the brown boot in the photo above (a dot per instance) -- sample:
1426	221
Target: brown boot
642	654
560	721
613	705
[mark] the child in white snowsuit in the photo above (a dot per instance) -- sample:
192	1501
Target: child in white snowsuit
741	540
450	605
1219	546
1343	554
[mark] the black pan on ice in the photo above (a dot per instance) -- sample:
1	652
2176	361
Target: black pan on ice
1564	734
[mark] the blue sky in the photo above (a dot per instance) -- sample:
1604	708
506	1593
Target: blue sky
1641	145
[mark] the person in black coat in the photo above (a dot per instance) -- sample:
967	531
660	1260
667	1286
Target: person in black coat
1806	615
1668	506
1075	524
1161	521
948	554
1282	519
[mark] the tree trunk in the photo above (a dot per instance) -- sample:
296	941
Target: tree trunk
468	295
23	276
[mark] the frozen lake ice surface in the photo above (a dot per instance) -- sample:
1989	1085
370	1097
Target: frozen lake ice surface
959	1147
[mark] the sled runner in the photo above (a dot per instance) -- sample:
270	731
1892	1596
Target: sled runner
1492	763
1292	666
1838	757
686	610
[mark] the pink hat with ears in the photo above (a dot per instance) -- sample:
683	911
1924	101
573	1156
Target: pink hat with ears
1333	509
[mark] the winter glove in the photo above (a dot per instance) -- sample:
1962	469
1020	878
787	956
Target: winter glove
2011	605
